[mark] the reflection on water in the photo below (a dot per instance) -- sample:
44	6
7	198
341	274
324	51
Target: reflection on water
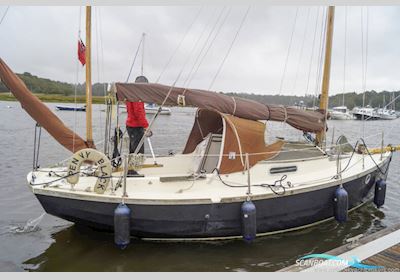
61	246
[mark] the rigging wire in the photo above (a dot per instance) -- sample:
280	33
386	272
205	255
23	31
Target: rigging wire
106	100
179	45
362	69
345	54
76	79
222	23
323	72
364	60
166	97
134	59
99	60
143	37
4	15
288	51
301	50
192	51
96	9
312	50
230	47
190	75
320	56
102	49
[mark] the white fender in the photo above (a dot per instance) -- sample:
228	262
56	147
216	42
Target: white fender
104	169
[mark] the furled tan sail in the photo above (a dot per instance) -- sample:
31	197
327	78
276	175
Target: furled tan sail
310	121
40	112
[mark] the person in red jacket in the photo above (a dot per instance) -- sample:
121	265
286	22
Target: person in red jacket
136	123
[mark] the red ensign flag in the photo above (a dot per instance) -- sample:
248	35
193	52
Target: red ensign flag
81	52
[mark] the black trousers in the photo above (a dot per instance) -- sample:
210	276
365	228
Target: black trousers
135	134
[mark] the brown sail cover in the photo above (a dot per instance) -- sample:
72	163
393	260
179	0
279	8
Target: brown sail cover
245	136
241	136
311	121
206	121
39	112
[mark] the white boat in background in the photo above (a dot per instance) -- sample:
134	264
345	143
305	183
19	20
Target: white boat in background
152	109
370	113
386	114
341	113
365	113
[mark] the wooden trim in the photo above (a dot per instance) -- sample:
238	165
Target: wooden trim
324	99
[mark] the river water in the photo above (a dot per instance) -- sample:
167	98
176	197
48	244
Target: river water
33	241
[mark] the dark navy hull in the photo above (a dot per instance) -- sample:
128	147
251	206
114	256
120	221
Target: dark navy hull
213	220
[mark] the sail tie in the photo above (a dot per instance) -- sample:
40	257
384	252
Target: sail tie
234	105
286	115
269	112
198	124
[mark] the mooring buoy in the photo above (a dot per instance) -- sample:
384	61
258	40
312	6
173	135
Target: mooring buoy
341	204
249	221
380	192
122	217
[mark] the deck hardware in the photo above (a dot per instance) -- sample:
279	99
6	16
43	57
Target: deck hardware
382	144
248	177
126	168
152	151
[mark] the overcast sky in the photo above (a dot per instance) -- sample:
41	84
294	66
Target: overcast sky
43	41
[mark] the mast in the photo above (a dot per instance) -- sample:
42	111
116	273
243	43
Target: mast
89	132
323	104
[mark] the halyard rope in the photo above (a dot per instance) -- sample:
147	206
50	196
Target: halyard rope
230	47
180	44
288	51
4	15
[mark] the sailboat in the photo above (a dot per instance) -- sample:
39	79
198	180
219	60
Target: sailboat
384	113
365	113
227	182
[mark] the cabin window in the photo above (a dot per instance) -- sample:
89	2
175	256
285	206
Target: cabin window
283	169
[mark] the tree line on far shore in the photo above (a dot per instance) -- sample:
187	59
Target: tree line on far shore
47	86
351	99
